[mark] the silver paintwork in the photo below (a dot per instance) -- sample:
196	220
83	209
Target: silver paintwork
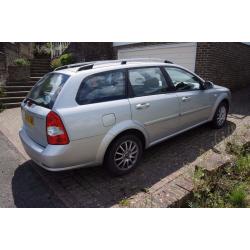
91	128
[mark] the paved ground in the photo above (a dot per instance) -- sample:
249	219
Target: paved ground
153	184
20	184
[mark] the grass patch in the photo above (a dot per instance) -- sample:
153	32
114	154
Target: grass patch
229	186
124	203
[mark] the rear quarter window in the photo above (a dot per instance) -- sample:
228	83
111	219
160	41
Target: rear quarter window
102	87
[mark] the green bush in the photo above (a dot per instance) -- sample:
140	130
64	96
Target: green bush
62	60
21	62
66	59
238	196
55	63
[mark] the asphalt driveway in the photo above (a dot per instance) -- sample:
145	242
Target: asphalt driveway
161	164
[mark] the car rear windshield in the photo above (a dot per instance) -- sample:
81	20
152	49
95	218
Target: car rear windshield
46	90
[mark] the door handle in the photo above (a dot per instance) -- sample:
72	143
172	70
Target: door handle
186	98
142	105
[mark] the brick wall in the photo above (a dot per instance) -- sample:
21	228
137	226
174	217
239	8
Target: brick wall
226	64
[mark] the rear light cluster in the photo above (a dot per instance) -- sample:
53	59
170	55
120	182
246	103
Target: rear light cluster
56	132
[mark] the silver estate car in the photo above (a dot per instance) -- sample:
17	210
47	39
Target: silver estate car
108	112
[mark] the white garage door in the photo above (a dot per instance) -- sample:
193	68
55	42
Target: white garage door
183	54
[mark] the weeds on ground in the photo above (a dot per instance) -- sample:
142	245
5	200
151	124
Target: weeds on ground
229	186
124	203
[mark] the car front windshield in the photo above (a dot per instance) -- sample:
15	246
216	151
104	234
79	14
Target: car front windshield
46	90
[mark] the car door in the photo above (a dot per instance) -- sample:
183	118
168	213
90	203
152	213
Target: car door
153	105
195	101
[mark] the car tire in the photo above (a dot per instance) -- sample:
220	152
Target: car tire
123	154
220	116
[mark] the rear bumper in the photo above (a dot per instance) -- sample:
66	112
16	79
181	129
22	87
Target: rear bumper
58	157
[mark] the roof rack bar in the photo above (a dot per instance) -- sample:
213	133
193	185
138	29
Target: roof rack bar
71	66
91	64
124	61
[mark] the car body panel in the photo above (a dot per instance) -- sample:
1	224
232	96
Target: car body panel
160	118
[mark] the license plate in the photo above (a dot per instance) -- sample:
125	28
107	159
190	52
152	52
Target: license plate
29	119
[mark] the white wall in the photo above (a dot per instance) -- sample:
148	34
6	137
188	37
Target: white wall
179	53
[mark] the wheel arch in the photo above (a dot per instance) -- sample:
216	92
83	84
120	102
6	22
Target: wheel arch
222	98
118	131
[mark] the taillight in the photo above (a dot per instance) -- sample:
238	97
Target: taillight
56	132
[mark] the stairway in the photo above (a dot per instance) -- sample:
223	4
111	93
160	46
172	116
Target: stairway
15	92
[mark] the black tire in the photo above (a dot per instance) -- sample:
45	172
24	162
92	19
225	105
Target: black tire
217	123
115	151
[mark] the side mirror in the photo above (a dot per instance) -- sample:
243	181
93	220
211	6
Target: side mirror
207	85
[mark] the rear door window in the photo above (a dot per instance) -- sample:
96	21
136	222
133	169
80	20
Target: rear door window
147	81
102	87
46	90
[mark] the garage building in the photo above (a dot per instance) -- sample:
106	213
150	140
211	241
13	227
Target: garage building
227	64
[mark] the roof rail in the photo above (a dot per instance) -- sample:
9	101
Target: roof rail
71	66
91	64
124	61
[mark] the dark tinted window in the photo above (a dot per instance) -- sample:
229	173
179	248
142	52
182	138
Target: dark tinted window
147	81
47	89
102	87
182	79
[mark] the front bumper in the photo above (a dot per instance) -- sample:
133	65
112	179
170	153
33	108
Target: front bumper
57	157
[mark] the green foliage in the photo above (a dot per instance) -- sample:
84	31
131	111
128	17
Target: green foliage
62	60
243	165
124	203
233	148
238	196
229	186
21	62
55	63
66	59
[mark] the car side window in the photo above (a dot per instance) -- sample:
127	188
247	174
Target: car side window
102	87
147	81
183	80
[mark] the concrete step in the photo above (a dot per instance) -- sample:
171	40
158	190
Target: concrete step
11	105
34	78
40	60
39	71
17	88
47	65
40	74
11	99
24	83
15	93
40	63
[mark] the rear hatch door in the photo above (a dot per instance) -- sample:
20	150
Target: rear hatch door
39	103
